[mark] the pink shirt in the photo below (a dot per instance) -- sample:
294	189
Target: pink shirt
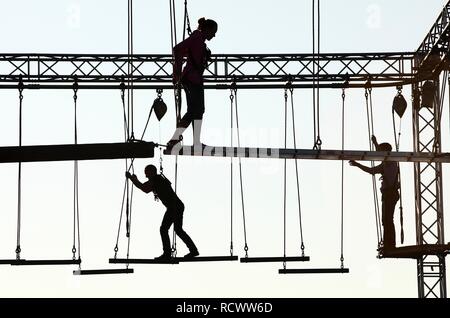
194	48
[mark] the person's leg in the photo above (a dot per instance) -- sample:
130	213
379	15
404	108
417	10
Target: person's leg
164	231
178	226
388	207
186	119
198	102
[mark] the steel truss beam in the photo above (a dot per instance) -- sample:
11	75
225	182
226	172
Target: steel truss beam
155	71
432	54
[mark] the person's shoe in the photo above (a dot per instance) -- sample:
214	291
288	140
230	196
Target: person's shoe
192	254
172	142
163	257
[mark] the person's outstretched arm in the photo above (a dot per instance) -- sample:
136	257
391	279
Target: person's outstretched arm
374	170
145	187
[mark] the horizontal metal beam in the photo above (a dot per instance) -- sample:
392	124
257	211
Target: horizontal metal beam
274	259
258	69
276	153
416	251
77	152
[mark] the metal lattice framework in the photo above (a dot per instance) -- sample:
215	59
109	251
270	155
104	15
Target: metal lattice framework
429	198
60	71
248	71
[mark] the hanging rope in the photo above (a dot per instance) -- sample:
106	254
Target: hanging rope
76	205
302	245
231	173
316	78
284	175
187	23
125	126
233	99
397	147
130	90
177	98
369	111
342	178
19	177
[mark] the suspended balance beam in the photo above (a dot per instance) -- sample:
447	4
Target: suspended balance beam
77	152
276	153
274	259
103	271
314	271
47	262
141	261
206	259
416	251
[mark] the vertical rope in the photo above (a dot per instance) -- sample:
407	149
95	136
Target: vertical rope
234	93
302	245
342	177
314	69
125	126
316	78
374	182
19	177
318	140
397	148
231	174
177	98
76	207
284	176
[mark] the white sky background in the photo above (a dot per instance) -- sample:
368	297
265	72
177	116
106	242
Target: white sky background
251	26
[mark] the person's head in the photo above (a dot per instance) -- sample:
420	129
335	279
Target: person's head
208	27
384	147
150	171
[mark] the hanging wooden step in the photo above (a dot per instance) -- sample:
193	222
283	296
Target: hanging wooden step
206	259
274	259
141	261
314	271
46	262
103	271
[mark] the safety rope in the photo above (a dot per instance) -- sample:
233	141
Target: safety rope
370	127
19	178
302	245
234	99
342	177
76	204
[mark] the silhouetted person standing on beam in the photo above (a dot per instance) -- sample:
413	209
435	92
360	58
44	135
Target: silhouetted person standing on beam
197	54
389	191
161	187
